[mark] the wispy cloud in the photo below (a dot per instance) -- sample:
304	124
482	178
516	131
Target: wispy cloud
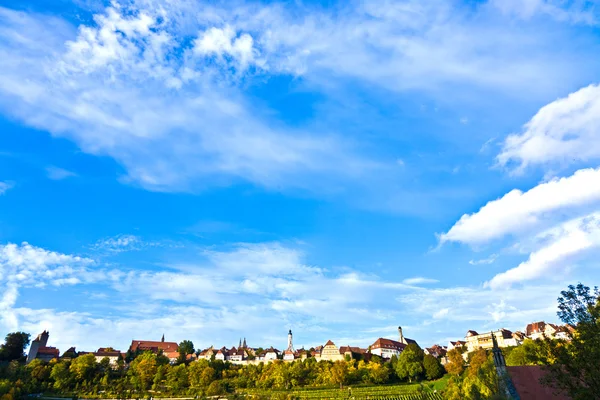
120	243
488	260
56	173
5	186
419	281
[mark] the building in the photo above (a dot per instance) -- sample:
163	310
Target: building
289	354
541	330
436	350
106	352
355	353
387	348
268	355
459	344
236	356
207	354
331	352
39	349
222	354
405	340
475	341
169	349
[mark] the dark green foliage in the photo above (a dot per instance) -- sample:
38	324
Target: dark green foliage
433	367
410	363
576	367
14	346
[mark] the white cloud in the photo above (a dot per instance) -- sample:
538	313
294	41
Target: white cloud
27	266
117	89
224	43
119	243
5	186
573	11
56	173
488	260
419	281
562	132
519	211
560	245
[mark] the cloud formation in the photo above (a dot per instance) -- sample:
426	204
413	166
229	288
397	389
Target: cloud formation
561	133
518	211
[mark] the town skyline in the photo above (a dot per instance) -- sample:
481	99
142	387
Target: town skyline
213	171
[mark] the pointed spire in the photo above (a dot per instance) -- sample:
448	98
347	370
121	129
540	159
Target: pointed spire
244	343
163	338
240	345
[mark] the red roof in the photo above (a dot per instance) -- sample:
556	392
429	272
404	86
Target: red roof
48	351
535	327
329	343
153	346
526	380
388	344
350	349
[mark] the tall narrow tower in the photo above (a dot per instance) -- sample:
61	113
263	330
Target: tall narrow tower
290	343
40	341
400	335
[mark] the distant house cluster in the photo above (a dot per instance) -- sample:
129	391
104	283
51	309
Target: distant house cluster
243	354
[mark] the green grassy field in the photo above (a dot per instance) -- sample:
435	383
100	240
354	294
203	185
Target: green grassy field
426	391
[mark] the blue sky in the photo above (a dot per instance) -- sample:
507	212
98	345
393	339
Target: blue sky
215	170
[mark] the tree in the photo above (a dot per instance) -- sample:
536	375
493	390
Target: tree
14	346
177	378
216	388
432	366
576	370
456	362
83	368
186	347
144	368
61	376
339	373
410	362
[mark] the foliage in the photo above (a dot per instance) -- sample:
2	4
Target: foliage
410	363
433	367
478	381
456	362
576	369
14	346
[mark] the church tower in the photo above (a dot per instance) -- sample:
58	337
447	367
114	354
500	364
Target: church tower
163	338
290	343
401	336
39	342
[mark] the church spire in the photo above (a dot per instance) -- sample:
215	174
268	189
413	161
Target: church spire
240	345
163	338
244	344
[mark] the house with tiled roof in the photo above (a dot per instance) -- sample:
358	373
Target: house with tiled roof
353	352
222	354
169	349
106	352
207	354
236	356
268	355
387	348
436	351
331	352
475	341
541	330
456	345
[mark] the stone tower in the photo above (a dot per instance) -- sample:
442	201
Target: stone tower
290	343
401	335
40	341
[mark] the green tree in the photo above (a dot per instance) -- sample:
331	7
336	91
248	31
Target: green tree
177	378
61	376
339	373
186	347
83	368
208	376
410	363
576	369
144	368
14	346
216	388
456	363
433	368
